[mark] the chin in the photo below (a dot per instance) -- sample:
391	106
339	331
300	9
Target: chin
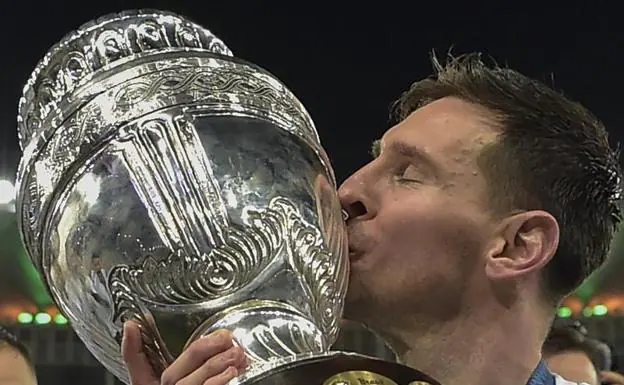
352	313
357	303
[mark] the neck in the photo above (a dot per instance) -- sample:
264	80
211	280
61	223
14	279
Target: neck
502	345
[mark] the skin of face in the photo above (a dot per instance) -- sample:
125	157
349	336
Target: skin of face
14	370
574	366
423	222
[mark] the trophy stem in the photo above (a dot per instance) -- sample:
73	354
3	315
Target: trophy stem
268	331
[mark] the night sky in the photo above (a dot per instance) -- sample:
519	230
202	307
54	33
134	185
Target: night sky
348	63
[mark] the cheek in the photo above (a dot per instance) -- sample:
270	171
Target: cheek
429	231
425	245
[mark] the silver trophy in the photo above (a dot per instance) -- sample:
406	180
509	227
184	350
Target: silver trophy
165	181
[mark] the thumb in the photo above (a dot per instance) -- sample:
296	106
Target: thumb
139	367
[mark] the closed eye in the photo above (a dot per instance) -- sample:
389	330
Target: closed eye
410	174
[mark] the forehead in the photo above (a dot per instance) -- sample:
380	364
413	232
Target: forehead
449	127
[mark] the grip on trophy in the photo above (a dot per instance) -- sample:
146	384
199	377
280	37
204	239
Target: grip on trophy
267	331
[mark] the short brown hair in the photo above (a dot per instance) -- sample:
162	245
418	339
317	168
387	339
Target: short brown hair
552	155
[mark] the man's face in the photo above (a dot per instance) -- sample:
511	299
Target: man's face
419	218
14	370
574	366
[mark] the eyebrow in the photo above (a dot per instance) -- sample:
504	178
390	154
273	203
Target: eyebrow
375	150
402	149
405	150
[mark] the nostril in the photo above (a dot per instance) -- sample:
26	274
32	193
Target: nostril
356	209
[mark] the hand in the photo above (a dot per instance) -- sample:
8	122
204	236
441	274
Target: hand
612	378
212	360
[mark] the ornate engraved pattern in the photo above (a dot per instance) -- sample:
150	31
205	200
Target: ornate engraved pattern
320	270
203	82
188	279
87	102
217	83
181	279
224	84
101	43
269	340
272	343
173	176
212	258
128	307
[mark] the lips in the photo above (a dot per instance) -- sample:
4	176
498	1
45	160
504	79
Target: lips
354	254
358	243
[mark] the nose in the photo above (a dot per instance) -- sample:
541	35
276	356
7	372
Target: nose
355	198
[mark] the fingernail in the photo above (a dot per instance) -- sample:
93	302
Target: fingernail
124	332
215	334
221	332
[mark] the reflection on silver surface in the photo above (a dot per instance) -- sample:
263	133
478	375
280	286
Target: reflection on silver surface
165	181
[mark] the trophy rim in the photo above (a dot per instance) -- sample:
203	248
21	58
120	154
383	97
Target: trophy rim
28	95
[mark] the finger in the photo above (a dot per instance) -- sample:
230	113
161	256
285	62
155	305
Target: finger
139	367
233	357
222	379
196	355
245	361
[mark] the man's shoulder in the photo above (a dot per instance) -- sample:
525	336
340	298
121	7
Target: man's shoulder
562	381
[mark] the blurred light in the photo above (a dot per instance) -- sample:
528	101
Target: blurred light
564	312
588	312
60	319
7	192
43	318
600	310
24	318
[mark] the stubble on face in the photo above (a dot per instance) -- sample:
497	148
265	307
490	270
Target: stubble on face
425	241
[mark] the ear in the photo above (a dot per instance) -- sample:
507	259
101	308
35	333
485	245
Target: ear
527	241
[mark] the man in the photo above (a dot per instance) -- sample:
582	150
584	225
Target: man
569	352
491	199
15	365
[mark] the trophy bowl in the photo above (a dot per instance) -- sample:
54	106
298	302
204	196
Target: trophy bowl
165	181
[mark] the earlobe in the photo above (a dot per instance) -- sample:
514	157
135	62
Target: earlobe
526	243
